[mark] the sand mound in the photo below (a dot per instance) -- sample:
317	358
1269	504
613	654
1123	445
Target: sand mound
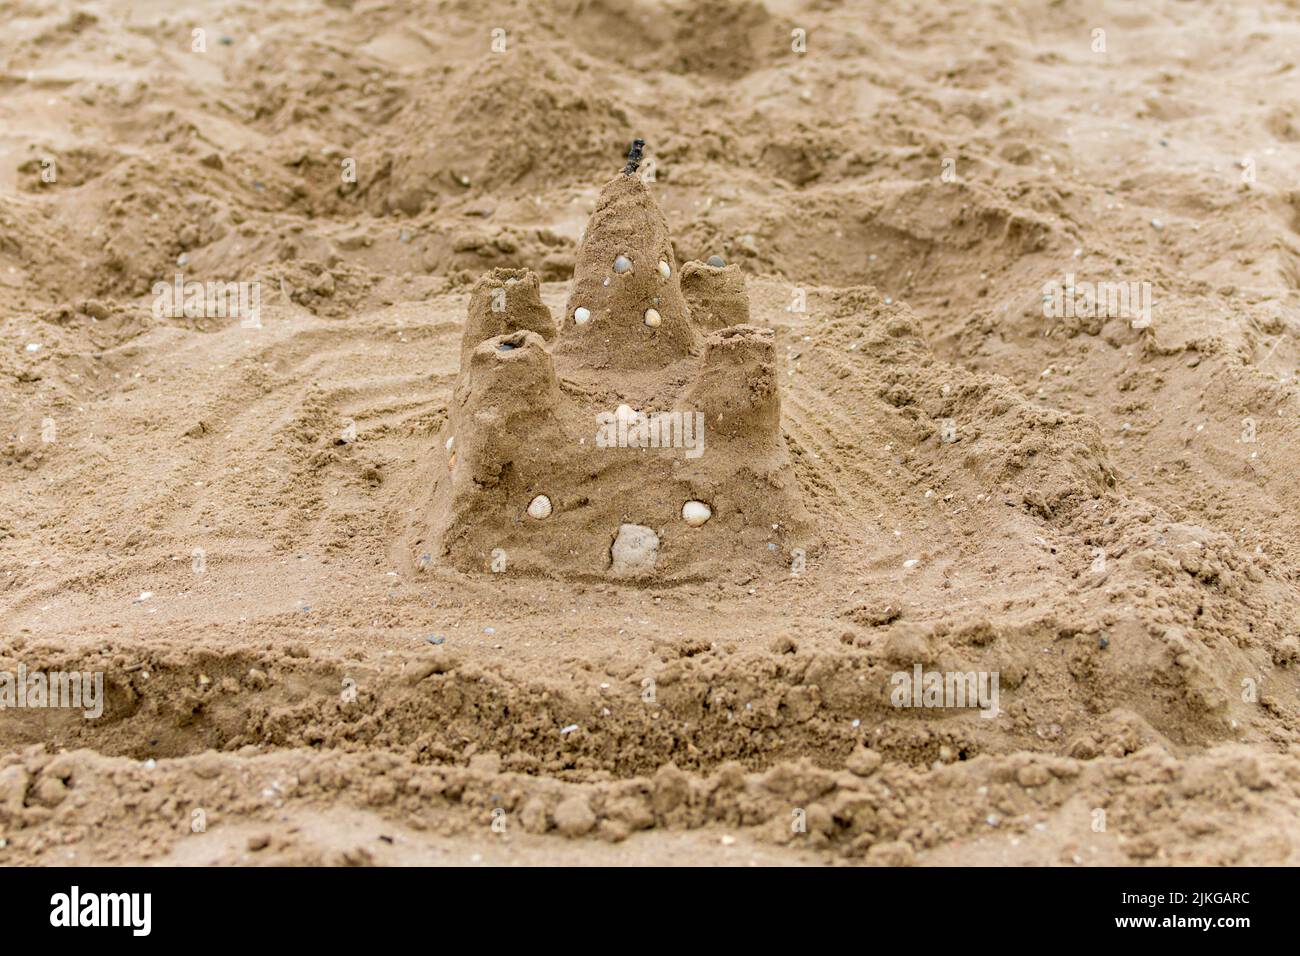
505	124
718	38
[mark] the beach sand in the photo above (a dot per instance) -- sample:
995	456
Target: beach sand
919	459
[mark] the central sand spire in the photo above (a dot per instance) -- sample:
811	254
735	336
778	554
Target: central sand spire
626	309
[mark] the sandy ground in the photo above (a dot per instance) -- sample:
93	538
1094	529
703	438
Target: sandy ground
218	518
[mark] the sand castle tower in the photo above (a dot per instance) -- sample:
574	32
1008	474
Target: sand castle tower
626	442
626	309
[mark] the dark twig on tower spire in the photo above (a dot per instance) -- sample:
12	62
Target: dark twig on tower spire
634	157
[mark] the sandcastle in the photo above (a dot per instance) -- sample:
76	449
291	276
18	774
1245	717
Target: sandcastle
639	439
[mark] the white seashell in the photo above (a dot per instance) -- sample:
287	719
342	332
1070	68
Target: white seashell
622	264
451	441
581	316
664	269
539	507
695	513
652	318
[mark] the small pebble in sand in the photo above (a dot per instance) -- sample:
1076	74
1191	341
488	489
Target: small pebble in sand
664	269
581	316
715	261
505	347
622	264
695	513
574	816
450	441
539	507
911	563
635	551
652	318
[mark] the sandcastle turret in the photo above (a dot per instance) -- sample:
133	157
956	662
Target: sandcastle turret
505	300
715	295
626	309
506	402
736	388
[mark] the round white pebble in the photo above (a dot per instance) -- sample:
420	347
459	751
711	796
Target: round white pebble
634	552
664	269
652	318
622	264
539	507
695	513
581	316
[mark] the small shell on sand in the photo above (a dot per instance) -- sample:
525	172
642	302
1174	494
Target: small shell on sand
695	513
450	441
539	507
622	264
581	316
715	261
652	318
664	269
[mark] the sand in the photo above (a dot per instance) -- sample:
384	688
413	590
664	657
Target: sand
297	546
